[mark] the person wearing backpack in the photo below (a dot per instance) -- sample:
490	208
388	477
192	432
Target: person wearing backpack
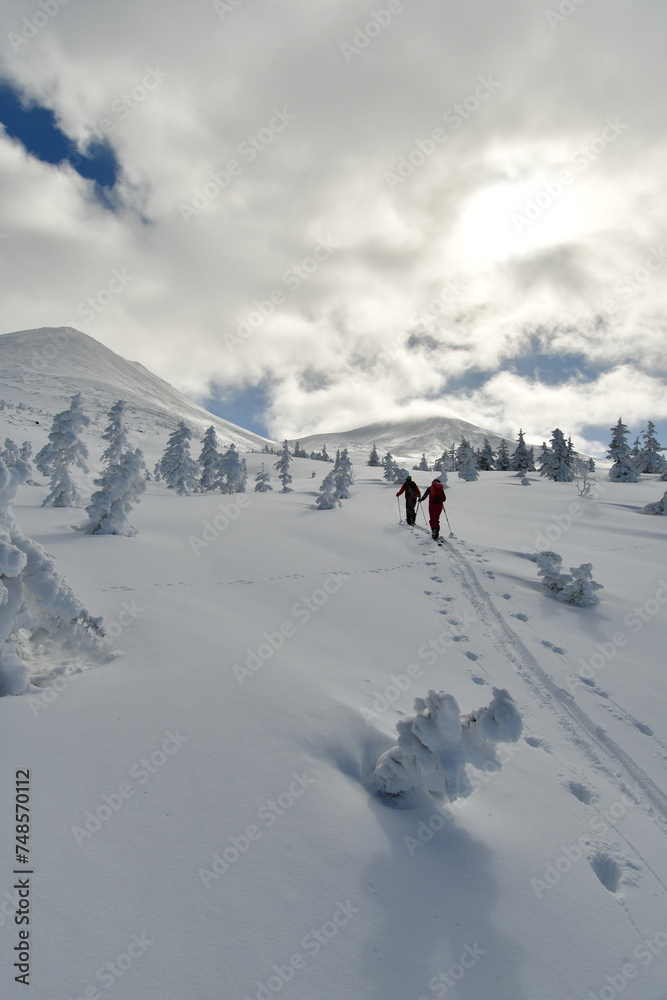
412	495
436	498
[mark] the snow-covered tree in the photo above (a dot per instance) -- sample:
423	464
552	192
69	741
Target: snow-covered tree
487	460
328	497
41	619
623	470
63	450
649	459
543	457
263	481
374	459
283	464
177	467
115	434
343	475
233	474
522	460
575	587
121	486
209	462
659	507
435	745
503	463
389	466
554	465
467	467
423	465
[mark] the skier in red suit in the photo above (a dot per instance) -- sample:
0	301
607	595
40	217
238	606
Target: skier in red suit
436	498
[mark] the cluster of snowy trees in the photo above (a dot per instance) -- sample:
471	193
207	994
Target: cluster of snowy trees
299	452
435	745
336	484
575	587
212	471
644	456
464	460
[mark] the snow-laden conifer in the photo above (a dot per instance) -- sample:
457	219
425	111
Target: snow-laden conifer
209	462
283	464
436	745
328	497
467	466
263	481
487	459
42	622
623	470
423	465
63	450
522	460
233	474
121	485
343	474
554	465
650	460
503	463
177	467
374	459
115	434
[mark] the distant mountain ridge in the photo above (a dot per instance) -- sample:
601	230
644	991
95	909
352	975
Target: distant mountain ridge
406	438
42	369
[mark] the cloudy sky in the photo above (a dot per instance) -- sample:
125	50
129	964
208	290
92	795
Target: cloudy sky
317	214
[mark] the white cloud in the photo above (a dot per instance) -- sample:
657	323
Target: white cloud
323	176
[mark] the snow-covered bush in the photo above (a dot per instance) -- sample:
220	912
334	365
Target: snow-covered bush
41	619
121	486
177	467
575	587
436	744
659	507
64	449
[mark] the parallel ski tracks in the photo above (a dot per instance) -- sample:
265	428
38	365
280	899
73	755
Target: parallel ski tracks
603	751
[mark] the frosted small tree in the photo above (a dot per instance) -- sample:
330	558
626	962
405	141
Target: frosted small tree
233	472
423	465
436	745
328	497
659	507
63	450
283	464
177	467
649	459
389	467
343	475
374	459
262	481
466	461
121	486
115	434
583	477
575	587
555	462
522	457
487	460
623	470
503	463
209	462
41	619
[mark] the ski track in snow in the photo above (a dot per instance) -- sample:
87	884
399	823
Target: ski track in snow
606	861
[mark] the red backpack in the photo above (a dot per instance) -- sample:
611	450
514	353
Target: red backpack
437	493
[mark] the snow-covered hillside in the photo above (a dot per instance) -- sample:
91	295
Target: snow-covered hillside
203	819
405	438
42	369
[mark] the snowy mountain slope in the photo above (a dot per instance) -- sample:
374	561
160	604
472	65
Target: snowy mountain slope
406	438
42	369
204	825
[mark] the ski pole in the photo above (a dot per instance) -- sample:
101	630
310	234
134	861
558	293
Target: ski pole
451	533
423	515
398	504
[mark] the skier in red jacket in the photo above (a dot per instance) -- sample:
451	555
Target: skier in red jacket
436	498
412	495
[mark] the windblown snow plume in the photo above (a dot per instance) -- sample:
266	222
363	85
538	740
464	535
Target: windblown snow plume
436	744
41	619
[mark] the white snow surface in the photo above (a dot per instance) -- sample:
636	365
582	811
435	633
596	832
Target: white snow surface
204	823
